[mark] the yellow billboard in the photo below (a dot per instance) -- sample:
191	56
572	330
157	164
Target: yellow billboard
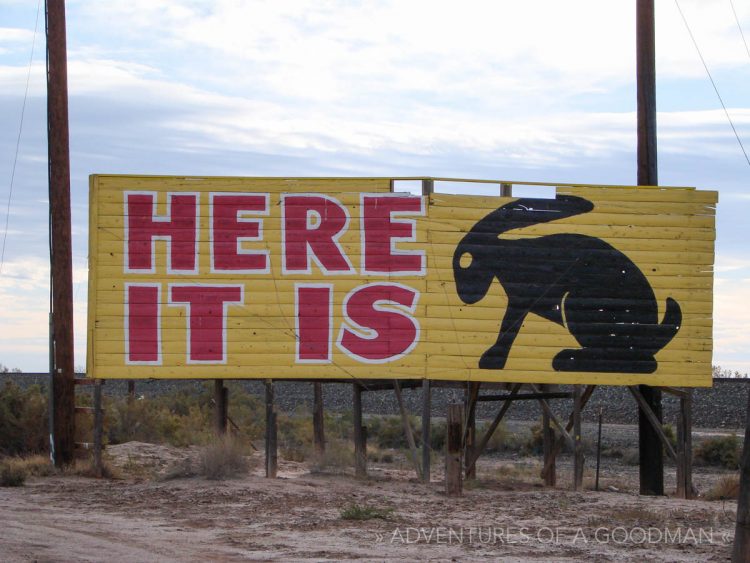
339	278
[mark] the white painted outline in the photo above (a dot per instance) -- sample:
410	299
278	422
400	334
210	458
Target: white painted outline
309	252
240	240
384	305
297	287
159	357
224	317
166	238
394	240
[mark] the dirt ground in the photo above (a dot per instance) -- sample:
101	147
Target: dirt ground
506	514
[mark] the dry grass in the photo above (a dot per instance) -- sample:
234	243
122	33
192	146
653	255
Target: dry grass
223	459
726	488
338	456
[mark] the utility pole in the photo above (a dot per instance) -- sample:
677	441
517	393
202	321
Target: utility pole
62	384
650	449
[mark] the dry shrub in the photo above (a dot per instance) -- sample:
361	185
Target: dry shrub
338	455
223	459
12	474
23	420
723	451
86	468
726	488
364	512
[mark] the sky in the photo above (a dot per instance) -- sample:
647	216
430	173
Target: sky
540	91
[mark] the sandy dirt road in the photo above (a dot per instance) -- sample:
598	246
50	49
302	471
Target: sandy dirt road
299	517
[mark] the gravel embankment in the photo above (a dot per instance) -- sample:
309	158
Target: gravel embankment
721	406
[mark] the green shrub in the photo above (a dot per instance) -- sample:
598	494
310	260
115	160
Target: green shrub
23	420
723	451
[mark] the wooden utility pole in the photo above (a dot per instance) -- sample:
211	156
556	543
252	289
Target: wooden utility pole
650	449
62	385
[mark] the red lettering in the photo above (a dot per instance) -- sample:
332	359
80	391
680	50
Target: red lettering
229	229
311	229
207	318
142	331
314	322
179	228
380	326
380	231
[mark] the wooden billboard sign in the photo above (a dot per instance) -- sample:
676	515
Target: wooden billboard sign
342	278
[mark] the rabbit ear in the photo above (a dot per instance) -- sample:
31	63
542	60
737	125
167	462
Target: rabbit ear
527	211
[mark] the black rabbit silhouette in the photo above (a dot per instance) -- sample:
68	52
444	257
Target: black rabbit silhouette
577	281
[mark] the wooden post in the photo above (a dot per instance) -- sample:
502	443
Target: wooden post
548	442
360	433
741	547
470	432
578	444
62	396
651	465
407	429
131	391
426	416
428	187
98	429
221	407
318	420
453	451
598	450
271	433
685	447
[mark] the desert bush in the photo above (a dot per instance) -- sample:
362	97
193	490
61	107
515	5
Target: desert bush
295	435
498	441
726	488
338	455
723	451
364	512
222	459
23	420
12	474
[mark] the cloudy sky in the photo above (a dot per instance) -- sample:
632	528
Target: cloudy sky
528	91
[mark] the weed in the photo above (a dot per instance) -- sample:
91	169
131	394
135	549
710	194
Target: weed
362	512
12	474
222	459
726	488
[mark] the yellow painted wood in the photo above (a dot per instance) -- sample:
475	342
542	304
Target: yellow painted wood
668	233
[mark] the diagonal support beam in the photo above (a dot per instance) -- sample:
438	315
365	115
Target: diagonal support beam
491	430
407	429
585	396
655	424
553	418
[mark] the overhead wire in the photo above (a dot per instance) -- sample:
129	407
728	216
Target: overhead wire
713	83
18	139
739	27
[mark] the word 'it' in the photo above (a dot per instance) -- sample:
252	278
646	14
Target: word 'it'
311	226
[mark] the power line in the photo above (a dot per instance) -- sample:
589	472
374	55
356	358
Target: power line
18	138
708	72
739	27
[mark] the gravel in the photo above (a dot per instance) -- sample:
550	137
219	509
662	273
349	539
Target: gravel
721	406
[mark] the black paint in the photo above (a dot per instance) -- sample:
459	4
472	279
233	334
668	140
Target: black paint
577	281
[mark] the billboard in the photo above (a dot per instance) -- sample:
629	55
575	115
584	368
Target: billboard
339	278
